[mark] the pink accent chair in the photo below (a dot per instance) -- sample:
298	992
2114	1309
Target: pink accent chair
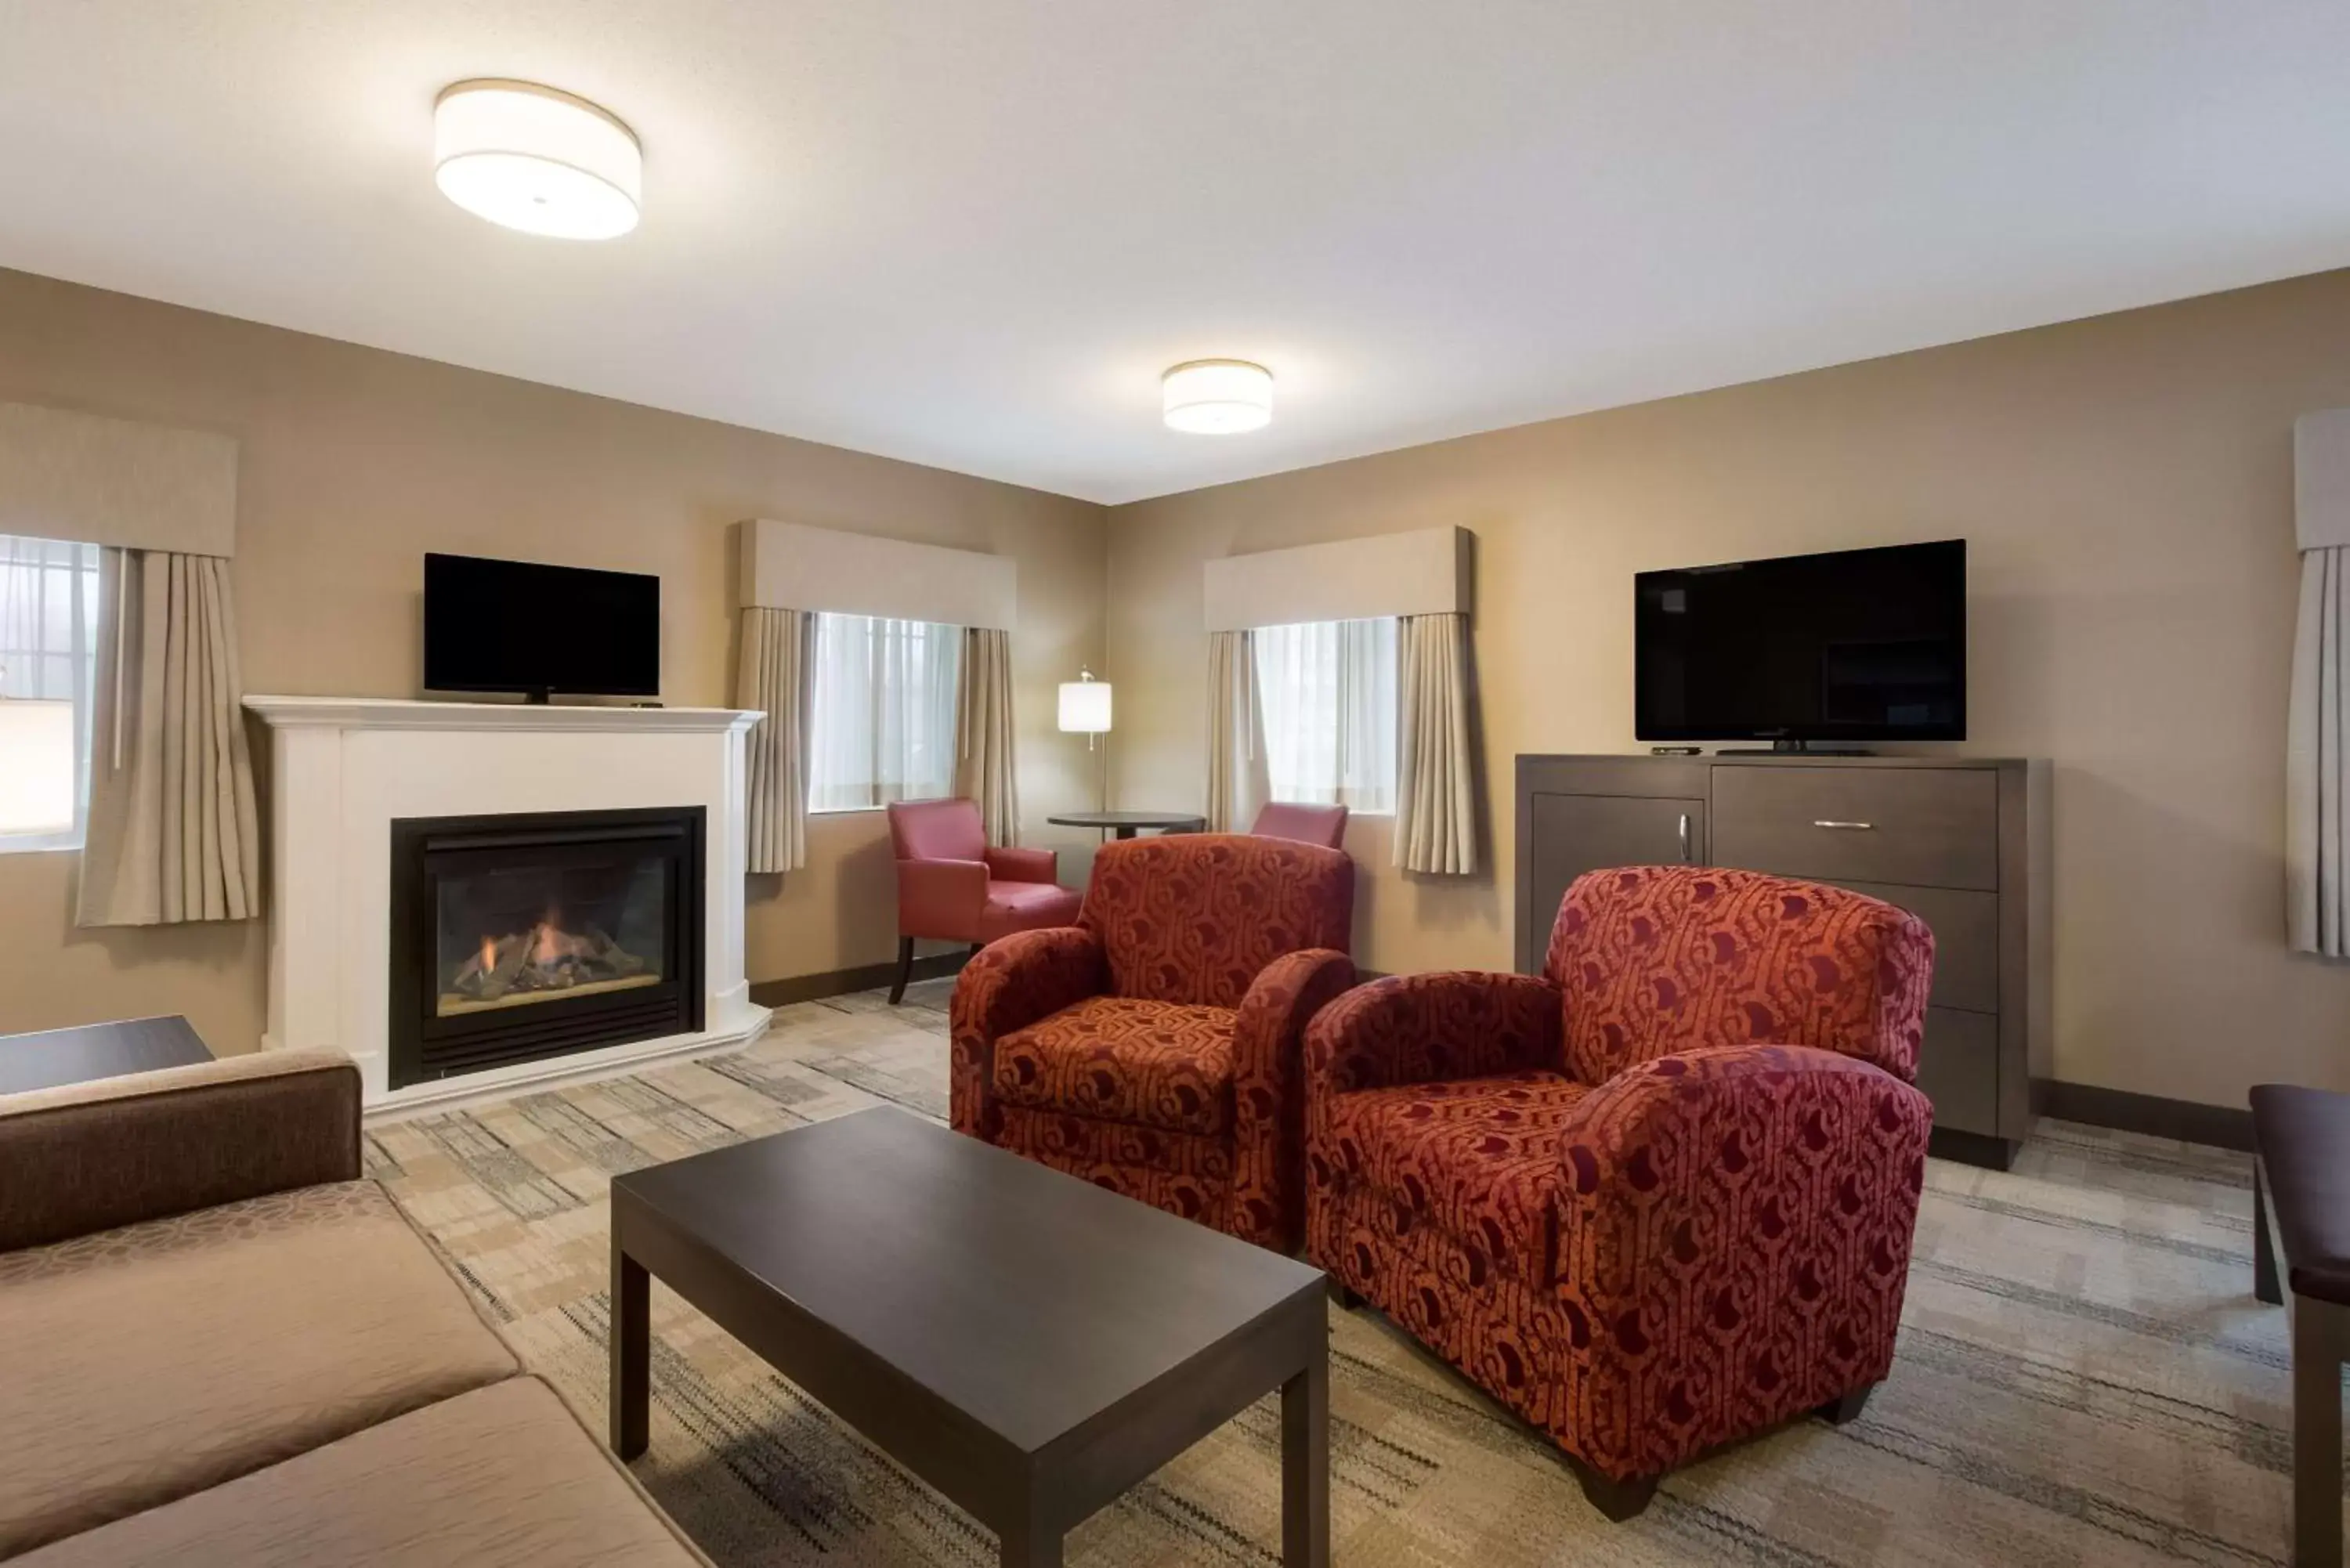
1322	824
953	888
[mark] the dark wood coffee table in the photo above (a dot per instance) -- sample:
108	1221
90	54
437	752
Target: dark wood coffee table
1026	1342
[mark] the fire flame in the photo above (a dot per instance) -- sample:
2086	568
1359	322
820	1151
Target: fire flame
489	959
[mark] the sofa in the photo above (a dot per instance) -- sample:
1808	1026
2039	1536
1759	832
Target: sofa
1156	1048
1658	1198
225	1345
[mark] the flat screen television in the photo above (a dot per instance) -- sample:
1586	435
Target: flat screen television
516	626
1853	645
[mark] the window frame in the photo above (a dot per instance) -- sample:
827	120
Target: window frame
1387	652
86	613
950	669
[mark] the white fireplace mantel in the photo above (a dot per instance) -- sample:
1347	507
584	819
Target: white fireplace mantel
344	768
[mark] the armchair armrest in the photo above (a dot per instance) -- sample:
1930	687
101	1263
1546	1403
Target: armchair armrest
90	1157
1427	1028
1734	1227
1269	1090
1025	865
1009	984
940	899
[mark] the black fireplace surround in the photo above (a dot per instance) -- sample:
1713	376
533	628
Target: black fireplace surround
524	935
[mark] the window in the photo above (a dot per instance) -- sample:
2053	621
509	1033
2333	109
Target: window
1327	689
49	631
881	725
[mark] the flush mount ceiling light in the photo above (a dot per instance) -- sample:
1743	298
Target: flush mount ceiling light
536	159
1217	397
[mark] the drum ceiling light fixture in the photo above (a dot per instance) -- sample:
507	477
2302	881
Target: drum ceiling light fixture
538	159
1217	397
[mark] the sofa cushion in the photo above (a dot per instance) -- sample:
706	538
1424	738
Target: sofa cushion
173	1355
1154	1064
1478	1157
503	1475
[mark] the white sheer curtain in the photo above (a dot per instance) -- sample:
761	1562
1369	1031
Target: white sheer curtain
1327	689
49	631
882	717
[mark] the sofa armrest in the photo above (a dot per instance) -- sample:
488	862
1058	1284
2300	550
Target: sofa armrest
1737	1218
1009	984
90	1157
1269	1091
941	899
1011	865
1427	1028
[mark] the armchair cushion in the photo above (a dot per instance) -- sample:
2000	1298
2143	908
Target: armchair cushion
1658	959
1479	1156
1124	1059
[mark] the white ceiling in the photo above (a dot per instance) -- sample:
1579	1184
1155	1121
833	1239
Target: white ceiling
971	233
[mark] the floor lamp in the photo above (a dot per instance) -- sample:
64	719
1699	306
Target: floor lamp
1084	710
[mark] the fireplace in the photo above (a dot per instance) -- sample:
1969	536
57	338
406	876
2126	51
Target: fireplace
524	935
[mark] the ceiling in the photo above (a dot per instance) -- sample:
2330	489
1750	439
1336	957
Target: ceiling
971	233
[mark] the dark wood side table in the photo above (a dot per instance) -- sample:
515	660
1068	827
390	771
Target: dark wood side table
1127	824
1026	1342
58	1056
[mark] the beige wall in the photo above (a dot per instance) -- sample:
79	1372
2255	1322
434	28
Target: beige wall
2124	486
354	462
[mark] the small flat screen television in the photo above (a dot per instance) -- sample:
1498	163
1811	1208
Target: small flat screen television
515	626
1854	645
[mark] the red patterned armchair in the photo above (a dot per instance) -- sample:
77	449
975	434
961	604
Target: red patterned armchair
1657	1199
1157	1047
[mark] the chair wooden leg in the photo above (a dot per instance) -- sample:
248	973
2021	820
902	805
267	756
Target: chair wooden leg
2265	1284
2321	1342
1617	1501
905	969
1836	1412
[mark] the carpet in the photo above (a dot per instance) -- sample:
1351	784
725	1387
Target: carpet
2083	1377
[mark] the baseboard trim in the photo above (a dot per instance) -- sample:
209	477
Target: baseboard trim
841	982
2188	1121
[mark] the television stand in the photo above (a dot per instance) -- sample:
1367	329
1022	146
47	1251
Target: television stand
1794	749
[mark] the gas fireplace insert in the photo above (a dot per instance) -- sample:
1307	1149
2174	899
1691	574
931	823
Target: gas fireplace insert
530	935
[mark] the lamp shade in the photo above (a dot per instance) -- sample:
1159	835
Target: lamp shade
36	787
1217	397
536	159
1085	706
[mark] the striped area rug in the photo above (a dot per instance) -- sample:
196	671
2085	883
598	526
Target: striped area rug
2083	1377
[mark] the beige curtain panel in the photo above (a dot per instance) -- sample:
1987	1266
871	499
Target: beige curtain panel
983	732
1239	780
173	833
2317	732
774	673
1436	788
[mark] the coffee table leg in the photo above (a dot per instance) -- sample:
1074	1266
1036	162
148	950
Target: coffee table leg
1306	1457
1027	1546
631	1353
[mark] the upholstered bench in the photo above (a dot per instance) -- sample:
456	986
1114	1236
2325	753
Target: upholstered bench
2301	1213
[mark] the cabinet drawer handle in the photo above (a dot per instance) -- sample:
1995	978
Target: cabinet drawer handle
1685	838
1847	826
